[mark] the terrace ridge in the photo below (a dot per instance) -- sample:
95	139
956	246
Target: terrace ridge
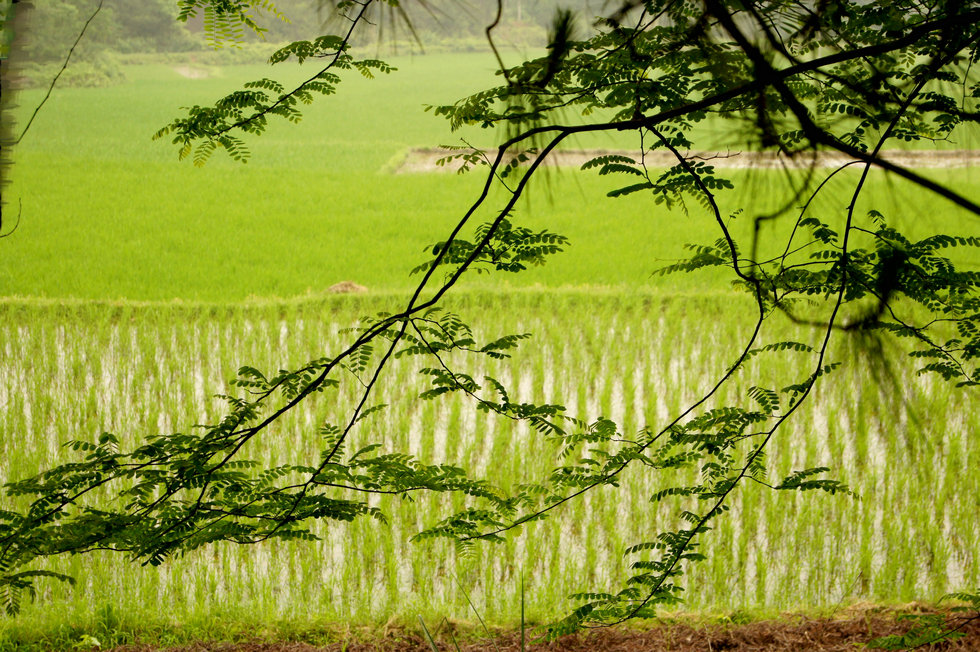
427	159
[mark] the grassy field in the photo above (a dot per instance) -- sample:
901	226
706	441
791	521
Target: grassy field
135	286
316	206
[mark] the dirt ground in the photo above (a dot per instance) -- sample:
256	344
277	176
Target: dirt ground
789	634
424	159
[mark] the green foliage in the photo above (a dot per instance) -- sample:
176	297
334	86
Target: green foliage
227	20
206	129
122	26
930	629
784	83
498	247
54	27
99	73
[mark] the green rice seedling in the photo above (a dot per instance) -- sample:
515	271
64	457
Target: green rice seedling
428	636
789	546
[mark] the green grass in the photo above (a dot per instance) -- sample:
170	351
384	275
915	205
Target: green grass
109	213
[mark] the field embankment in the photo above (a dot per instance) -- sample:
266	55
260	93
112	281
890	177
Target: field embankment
433	159
845	631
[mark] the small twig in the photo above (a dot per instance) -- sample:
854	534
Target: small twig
20	207
54	81
493	46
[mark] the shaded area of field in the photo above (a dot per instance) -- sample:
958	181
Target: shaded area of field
791	634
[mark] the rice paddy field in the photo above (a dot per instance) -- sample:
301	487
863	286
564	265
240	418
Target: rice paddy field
135	286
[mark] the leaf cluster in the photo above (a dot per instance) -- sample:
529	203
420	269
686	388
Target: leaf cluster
225	21
497	246
206	129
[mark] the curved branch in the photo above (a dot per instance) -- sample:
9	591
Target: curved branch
64	66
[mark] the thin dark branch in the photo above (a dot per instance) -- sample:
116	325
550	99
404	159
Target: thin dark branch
258	115
493	46
20	207
727	22
54	81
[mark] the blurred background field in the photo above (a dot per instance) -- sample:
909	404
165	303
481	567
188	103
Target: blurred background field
107	212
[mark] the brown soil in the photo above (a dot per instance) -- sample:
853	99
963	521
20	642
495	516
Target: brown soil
424	160
789	634
191	72
346	287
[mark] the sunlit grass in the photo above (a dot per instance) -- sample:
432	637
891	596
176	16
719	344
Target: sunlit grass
109	213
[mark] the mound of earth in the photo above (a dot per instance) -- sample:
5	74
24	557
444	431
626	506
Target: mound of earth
426	159
346	287
191	72
790	634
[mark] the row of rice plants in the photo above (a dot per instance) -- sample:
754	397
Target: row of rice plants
73	372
